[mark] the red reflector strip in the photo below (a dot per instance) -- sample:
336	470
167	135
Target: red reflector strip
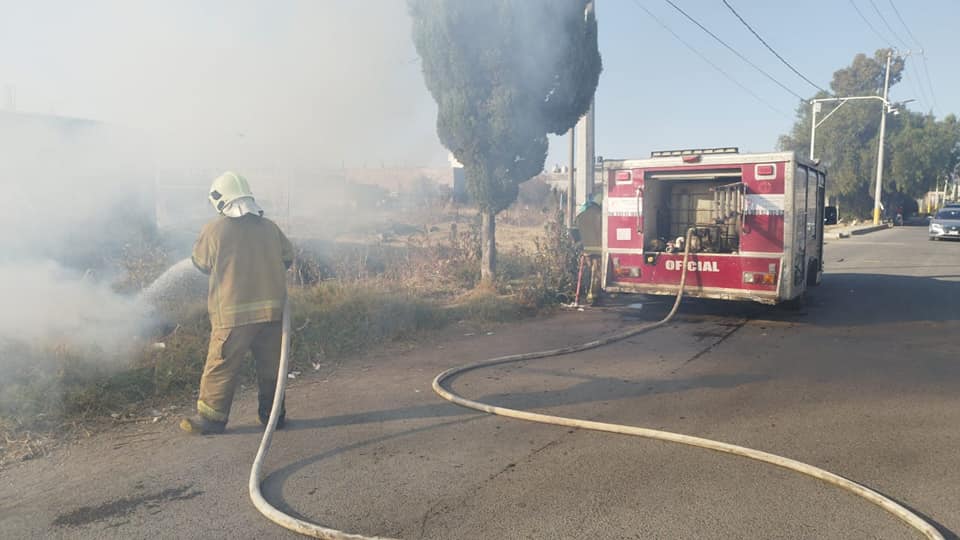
766	172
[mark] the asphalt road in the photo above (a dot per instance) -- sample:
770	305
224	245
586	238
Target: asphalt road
864	381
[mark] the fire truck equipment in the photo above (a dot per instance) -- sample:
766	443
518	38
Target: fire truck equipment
317	531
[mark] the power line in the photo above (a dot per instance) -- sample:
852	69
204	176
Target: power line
885	23
707	60
926	72
867	21
918	86
887	41
734	51
909	33
775	53
923	56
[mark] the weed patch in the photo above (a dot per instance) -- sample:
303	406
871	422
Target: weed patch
346	300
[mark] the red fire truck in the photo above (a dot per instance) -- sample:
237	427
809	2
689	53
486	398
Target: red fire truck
757	223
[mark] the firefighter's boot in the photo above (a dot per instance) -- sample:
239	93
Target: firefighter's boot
201	425
266	404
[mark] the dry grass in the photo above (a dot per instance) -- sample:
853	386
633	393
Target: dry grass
347	300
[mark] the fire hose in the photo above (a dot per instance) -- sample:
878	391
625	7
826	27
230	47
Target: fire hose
317	531
271	512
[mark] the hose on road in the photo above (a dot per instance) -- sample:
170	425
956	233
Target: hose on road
318	531
271	512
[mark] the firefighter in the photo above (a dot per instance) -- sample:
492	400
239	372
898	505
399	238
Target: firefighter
246	256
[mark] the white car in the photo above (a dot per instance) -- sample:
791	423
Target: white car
946	224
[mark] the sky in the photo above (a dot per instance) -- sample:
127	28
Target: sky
337	82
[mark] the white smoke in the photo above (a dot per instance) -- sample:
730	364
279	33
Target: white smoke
46	304
245	84
292	86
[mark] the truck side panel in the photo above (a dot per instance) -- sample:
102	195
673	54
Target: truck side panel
623	208
763	224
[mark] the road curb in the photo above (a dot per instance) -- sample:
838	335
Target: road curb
847	233
868	230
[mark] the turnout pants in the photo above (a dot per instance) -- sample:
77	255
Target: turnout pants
228	347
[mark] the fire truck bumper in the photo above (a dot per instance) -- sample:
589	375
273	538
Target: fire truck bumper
715	293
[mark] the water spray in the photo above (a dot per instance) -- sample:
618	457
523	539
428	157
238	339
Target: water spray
170	278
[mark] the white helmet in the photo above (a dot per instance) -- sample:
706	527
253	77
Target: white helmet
227	188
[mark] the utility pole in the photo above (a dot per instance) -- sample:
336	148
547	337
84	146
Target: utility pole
586	158
585	151
883	127
886	108
814	109
572	180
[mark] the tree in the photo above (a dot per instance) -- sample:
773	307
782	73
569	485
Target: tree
920	150
925	151
504	74
847	142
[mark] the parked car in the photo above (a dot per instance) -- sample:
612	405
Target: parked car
945	224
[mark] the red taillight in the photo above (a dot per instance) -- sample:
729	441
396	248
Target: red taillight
623	176
766	278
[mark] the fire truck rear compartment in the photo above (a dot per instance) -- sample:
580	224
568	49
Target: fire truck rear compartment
711	202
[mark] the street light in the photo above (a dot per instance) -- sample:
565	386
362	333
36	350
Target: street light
815	103
815	108
887	108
